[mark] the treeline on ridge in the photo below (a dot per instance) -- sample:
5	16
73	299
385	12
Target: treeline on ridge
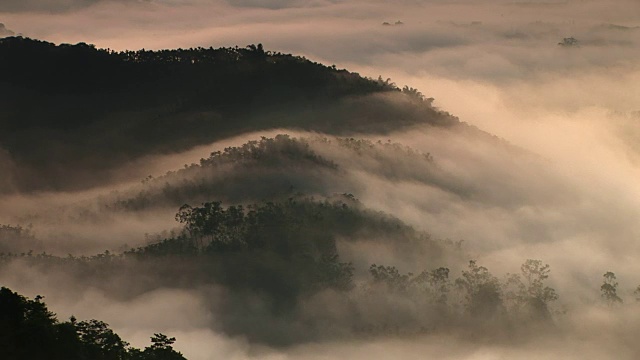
285	257
269	169
98	108
282	249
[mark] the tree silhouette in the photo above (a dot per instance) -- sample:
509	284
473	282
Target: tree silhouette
609	289
160	349
483	295
100	341
438	281
28	330
532	296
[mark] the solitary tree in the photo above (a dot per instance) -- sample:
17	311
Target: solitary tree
609	289
535	273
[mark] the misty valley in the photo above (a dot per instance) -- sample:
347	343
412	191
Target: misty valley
242	203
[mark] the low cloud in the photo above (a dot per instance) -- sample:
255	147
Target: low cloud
559	185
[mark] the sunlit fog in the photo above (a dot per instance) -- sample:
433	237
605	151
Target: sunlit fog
324	179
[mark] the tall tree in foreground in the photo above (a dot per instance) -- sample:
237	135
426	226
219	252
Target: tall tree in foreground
160	349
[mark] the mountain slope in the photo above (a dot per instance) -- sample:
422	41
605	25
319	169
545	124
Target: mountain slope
70	115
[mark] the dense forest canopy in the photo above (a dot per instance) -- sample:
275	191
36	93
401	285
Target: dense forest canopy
92	110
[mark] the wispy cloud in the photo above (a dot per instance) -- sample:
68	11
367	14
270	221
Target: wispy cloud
569	195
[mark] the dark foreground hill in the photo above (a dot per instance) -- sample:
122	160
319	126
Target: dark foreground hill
70	115
28	330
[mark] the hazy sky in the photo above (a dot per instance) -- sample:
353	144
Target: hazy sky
496	65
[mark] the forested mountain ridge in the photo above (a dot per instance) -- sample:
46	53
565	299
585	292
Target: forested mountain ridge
273	168
271	234
270	258
91	110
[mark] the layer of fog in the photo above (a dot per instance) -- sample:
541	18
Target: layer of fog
507	204
495	65
497	199
585	332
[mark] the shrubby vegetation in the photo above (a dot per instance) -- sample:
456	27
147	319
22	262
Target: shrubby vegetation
28	330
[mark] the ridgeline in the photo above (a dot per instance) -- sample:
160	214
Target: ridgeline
72	114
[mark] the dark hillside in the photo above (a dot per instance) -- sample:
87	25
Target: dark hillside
270	258
90	110
273	168
28	330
